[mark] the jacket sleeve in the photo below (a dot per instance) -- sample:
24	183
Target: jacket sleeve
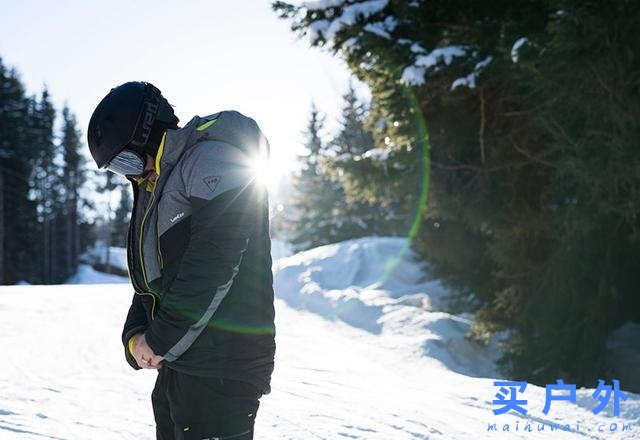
136	322
224	201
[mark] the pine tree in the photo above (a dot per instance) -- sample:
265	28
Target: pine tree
515	119
355	149
46	177
18	220
315	218
73	178
41	229
352	139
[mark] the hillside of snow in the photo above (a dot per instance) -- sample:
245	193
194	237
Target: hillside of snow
374	284
364	351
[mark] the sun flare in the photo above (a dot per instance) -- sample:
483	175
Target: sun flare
269	170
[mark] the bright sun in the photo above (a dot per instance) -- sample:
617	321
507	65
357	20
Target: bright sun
268	171
270	166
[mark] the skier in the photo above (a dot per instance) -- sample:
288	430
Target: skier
198	254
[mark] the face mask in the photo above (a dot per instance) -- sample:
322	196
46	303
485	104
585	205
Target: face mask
127	163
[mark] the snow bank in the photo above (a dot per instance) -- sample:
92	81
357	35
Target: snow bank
88	275
377	285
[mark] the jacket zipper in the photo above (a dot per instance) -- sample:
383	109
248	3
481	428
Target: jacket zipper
144	217
135	286
144	274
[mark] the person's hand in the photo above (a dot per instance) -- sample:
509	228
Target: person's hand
142	353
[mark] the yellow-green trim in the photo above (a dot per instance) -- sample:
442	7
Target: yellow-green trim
158	157
131	344
159	154
206	125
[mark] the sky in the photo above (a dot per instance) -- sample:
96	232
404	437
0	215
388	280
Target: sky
205	56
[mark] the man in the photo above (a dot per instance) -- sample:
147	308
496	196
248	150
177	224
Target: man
198	253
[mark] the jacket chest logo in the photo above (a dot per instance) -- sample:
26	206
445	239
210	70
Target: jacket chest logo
212	182
177	216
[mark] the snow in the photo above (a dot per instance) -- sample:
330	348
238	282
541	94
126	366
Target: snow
516	47
365	351
350	44
414	73
88	275
416	48
484	63
439	54
382	28
322	4
355	282
317	28
376	154
413	76
470	79
350	13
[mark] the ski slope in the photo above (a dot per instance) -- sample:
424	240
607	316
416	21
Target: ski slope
364	351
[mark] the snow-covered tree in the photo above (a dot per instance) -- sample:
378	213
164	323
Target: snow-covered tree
507	128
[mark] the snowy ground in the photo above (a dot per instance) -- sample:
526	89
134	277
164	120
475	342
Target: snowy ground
363	352
88	275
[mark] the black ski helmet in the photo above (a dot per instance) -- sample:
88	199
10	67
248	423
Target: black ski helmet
135	115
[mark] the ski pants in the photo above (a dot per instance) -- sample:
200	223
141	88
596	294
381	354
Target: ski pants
188	407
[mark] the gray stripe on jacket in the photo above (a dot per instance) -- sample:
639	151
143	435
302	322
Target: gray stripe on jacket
195	329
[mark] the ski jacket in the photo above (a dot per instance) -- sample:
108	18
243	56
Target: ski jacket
199	254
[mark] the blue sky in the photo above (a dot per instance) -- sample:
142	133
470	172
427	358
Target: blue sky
205	56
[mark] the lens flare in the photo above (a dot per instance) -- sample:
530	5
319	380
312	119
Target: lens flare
264	170
422	138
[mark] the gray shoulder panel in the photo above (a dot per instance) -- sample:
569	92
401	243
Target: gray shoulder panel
214	167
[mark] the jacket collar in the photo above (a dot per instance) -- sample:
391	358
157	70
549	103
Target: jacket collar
175	143
172	145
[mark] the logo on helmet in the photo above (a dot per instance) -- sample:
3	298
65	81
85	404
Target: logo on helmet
148	118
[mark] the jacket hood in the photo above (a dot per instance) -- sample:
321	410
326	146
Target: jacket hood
233	128
228	126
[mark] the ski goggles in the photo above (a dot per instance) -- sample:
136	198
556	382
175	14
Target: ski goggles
127	163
